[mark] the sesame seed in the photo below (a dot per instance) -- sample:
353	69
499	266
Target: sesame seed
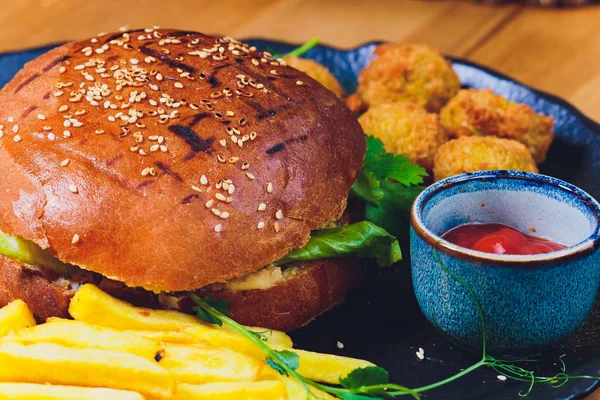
231	189
178	85
245	166
63	108
209	203
216	211
99	131
219	196
299	83
269	187
64	162
66	134
279	214
11	119
260	225
223	142
262	207
277	227
233	160
51	137
47	128
501	377
41	116
75	239
420	356
250	176
17	138
62	69
339	345
218	228
58	93
73	188
224	215
15	128
197	189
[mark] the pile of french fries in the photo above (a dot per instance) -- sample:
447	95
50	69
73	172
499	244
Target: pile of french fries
113	350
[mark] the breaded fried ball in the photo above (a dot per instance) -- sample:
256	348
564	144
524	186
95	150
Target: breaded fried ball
407	129
481	112
318	72
481	153
408	72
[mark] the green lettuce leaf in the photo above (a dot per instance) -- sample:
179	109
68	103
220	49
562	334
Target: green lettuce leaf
29	252
362	239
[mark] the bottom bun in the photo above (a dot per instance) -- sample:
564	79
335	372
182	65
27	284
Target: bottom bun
316	287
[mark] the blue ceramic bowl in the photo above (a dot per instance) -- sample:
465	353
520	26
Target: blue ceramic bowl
528	301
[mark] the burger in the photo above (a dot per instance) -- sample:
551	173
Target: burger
154	163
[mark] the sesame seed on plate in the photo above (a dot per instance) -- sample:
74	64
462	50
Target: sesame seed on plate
501	377
339	345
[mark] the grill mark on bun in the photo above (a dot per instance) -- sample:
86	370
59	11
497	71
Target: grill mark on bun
26	82
46	95
280	146
55	63
144	49
214	82
197	118
167	170
196	143
28	111
111	162
190	198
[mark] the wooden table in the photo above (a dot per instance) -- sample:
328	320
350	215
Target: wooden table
554	50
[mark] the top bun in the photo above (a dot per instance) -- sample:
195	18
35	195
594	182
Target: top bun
170	160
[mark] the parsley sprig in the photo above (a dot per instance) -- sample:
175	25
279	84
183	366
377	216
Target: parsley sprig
388	184
361	384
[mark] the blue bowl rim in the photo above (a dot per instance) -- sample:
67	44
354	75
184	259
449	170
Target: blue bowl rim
587	245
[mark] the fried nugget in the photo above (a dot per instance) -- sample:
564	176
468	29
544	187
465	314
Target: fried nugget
408	72
481	112
481	153
407	129
318	72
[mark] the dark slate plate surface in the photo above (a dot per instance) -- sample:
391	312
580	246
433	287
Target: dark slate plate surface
381	321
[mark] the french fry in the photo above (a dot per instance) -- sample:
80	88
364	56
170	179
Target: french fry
327	368
200	364
296	391
34	391
263	390
80	334
43	362
15	316
92	305
175	337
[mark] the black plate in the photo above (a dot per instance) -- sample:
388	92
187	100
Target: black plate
381	321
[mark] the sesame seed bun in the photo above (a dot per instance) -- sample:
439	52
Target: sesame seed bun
171	160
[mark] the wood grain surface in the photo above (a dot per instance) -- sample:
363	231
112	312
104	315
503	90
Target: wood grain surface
557	51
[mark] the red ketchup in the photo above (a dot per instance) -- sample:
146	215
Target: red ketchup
499	239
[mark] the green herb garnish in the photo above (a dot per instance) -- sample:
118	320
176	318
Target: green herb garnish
363	383
388	184
298	51
362	239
